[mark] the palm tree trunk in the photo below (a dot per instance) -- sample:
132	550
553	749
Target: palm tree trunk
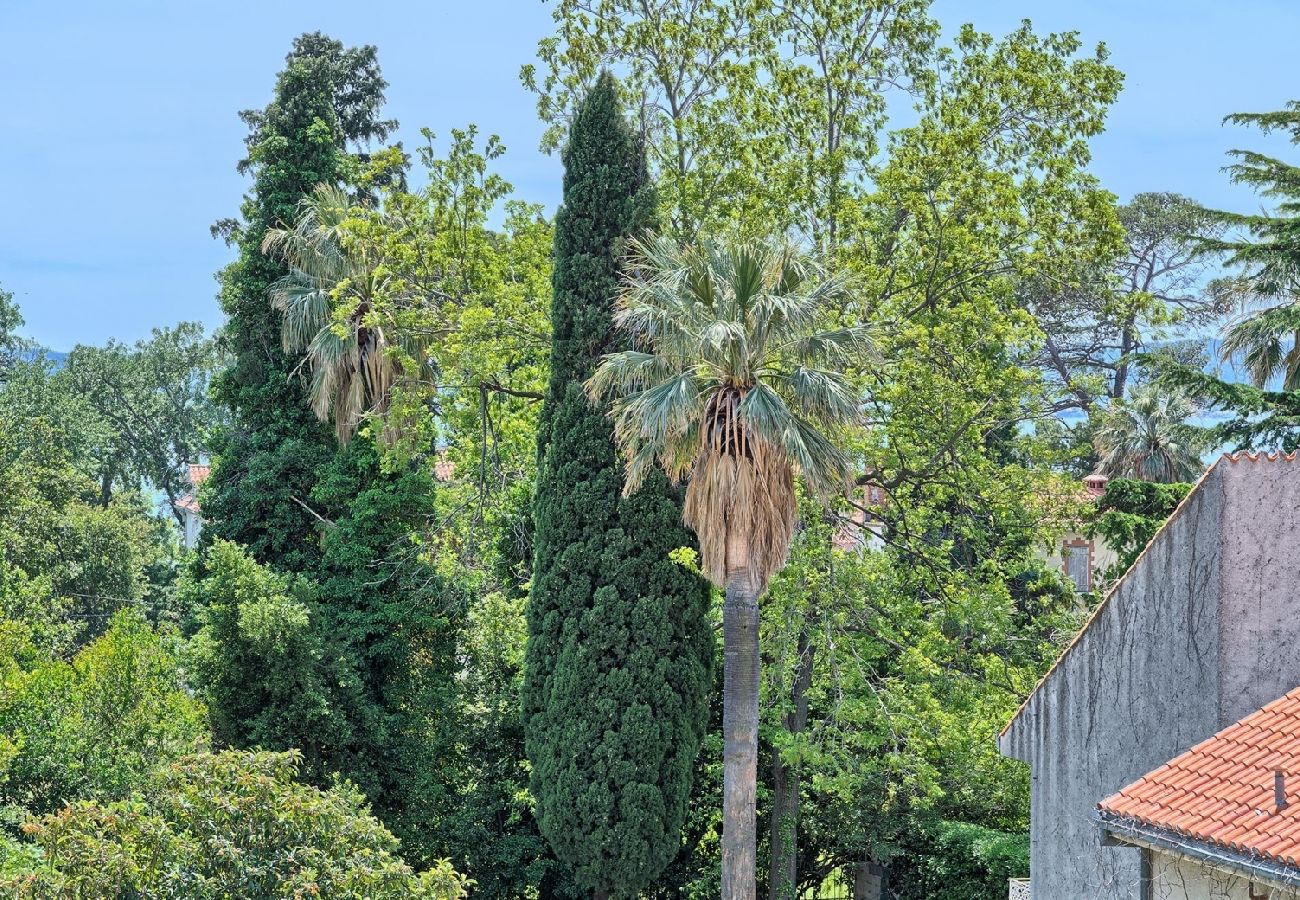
740	738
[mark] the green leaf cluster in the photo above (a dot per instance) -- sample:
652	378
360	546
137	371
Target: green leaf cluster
227	825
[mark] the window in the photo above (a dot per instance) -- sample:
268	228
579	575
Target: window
1077	556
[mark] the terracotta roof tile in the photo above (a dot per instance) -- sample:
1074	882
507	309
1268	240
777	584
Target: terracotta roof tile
1221	791
1256	457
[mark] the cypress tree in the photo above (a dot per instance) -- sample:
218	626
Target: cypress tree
620	653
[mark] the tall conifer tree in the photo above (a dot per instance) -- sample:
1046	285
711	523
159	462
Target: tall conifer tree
364	687
620	653
326	98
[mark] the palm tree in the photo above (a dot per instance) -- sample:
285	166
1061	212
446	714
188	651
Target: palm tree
1267	340
735	385
1148	437
351	361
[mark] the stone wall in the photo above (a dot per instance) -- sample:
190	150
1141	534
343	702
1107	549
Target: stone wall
1139	685
1260	620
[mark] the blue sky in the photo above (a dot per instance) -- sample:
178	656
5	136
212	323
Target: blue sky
119	133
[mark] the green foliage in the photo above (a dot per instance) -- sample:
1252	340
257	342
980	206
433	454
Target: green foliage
959	861
1096	322
1148	436
619	651
1261	246
1130	513
259	660
11	345
66	562
227	825
760	116
146	408
354	665
92	727
326	97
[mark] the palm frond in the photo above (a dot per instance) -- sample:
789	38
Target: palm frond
736	383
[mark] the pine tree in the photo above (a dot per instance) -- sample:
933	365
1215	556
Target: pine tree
1264	248
620	653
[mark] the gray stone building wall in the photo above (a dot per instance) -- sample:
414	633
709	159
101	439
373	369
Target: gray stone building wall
1139	686
1202	631
1260	617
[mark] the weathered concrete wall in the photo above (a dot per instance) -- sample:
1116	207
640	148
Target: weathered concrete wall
1174	878
1139	686
1259	645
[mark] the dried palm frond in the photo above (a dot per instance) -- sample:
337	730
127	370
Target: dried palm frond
352	365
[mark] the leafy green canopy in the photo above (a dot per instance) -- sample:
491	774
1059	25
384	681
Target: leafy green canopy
144	408
213	826
93	726
67	561
466	310
619	652
1130	513
352	665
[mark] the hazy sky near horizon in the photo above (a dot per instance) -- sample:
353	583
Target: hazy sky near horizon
119	130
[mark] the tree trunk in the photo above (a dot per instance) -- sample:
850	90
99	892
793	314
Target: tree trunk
740	738
1127	342
783	869
868	881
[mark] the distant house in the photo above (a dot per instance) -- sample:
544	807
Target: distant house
188	506
1223	819
863	530
1200	632
1080	557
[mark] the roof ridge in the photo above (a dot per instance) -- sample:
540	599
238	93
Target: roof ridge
1255	456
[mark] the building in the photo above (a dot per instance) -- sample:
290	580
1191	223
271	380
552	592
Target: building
1223	819
864	530
188	506
1200	632
1079	556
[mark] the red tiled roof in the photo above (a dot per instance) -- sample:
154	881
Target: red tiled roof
1256	457
198	474
443	470
1221	792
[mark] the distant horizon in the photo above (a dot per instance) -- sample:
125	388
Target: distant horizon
114	110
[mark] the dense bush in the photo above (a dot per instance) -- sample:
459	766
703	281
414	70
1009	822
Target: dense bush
92	727
226	825
958	861
1130	513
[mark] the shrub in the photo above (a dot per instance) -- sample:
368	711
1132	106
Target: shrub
220	825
